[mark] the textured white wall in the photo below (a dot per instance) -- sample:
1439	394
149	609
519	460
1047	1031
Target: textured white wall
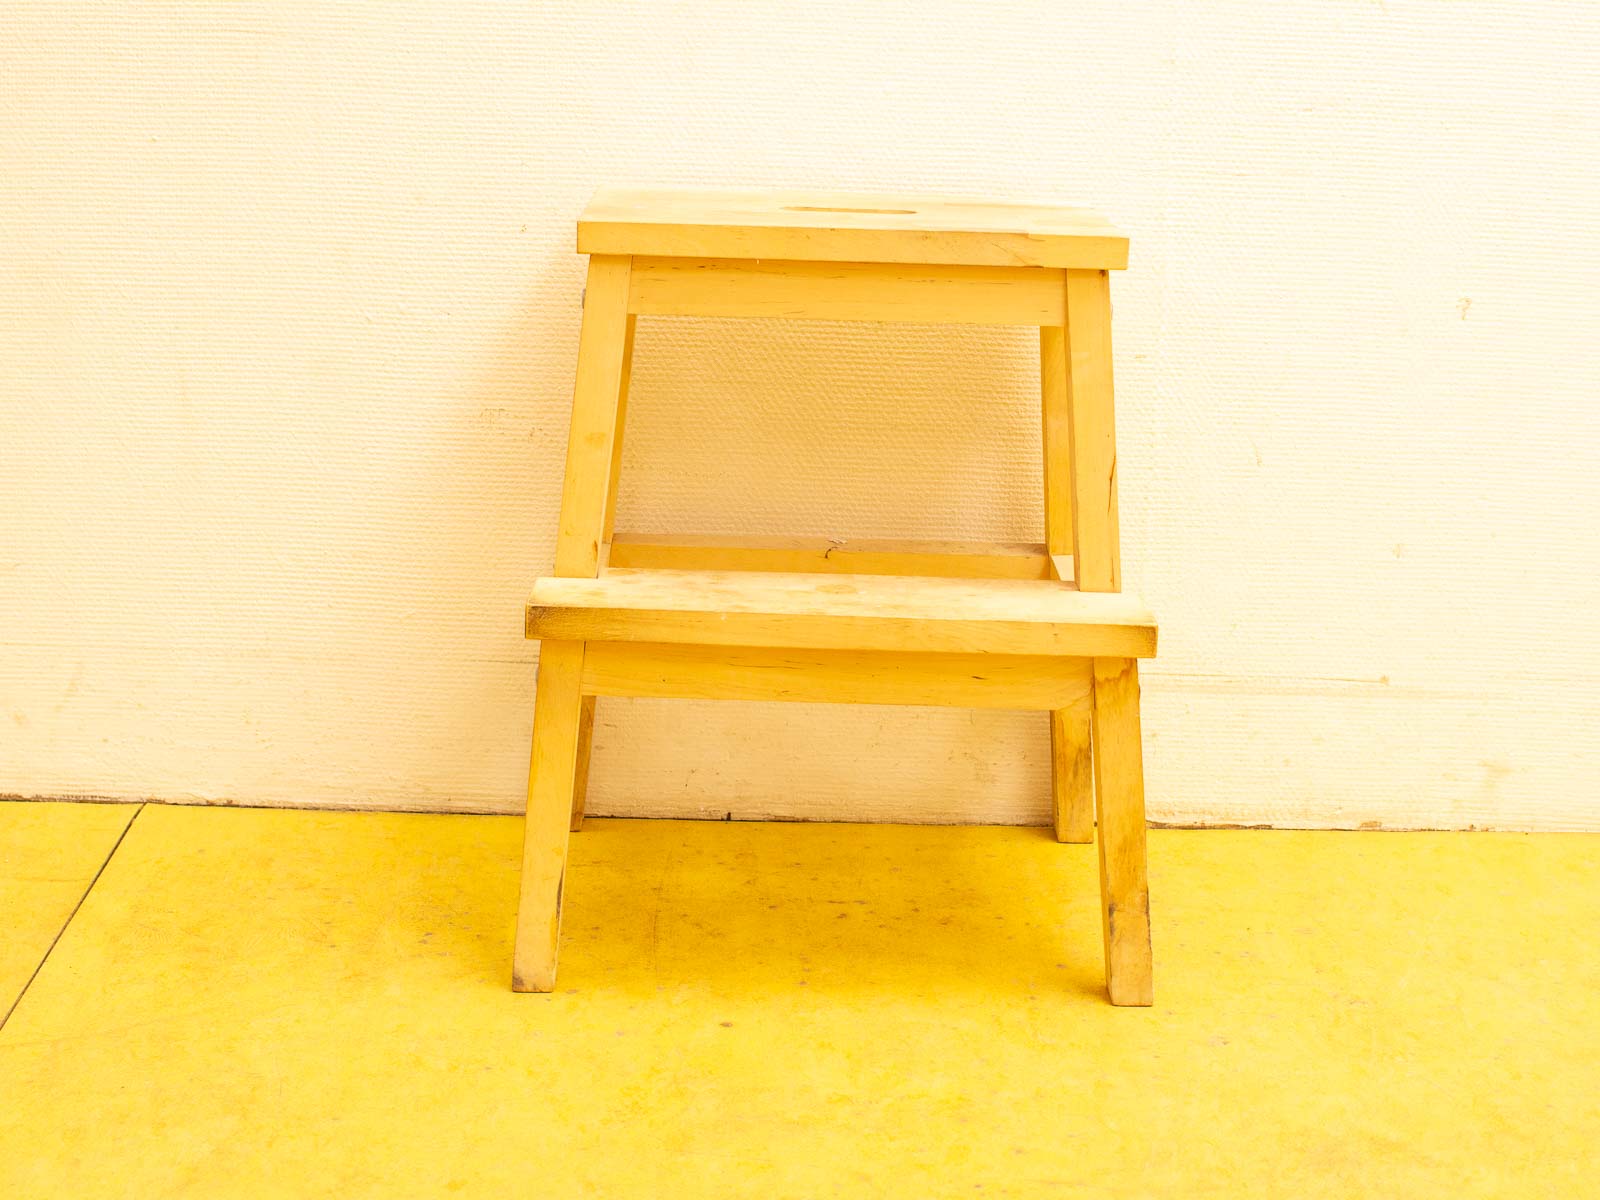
288	315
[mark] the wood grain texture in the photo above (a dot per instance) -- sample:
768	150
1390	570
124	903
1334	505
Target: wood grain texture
1056	437
580	773
846	291
596	407
845	227
866	612
553	761
1096	540
643	669
827	556
625	376
1119	796
580	782
562	723
1071	775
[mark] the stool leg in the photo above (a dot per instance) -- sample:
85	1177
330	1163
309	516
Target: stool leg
544	840
580	783
558	703
1119	787
1096	541
580	776
1071	776
596	405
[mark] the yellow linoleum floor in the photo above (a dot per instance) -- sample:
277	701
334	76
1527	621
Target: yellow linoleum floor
49	854
306	1004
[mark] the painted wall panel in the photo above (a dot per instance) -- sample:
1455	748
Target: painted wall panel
288	316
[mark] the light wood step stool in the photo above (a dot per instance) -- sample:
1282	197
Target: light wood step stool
1033	627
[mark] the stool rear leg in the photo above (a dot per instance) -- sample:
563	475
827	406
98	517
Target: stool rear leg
1072	773
1119	789
580	775
1071	776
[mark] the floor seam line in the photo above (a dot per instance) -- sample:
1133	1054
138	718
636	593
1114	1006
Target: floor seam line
45	957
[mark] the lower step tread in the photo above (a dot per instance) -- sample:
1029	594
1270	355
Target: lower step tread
844	612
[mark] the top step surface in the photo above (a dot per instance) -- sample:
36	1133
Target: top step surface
846	227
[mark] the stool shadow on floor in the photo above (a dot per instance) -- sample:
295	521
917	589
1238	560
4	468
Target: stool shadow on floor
428	902
772	907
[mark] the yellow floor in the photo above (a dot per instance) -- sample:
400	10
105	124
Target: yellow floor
304	1004
49	854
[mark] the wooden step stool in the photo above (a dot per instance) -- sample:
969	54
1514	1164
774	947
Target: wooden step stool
1039	627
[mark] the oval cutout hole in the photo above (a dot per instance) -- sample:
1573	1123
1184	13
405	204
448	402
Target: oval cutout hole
906	212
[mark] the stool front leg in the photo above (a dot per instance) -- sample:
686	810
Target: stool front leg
604	345
557	706
1119	791
580	785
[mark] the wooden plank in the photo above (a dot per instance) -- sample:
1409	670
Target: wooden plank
834	676
580	773
580	780
1096	541
1055	409
846	291
588	501
557	706
1071	771
711	552
591	442
860	612
846	227
1119	787
610	522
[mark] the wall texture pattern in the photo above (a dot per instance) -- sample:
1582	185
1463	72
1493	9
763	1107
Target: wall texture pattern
288	315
